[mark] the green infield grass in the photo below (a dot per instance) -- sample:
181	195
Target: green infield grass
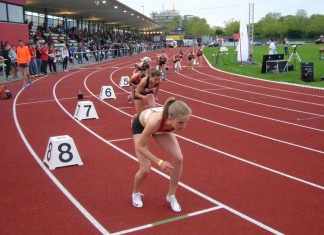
306	52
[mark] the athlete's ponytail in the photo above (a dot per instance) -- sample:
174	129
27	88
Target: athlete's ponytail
175	108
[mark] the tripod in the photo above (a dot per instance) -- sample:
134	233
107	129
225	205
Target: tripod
294	56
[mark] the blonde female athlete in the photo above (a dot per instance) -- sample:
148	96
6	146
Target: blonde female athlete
158	124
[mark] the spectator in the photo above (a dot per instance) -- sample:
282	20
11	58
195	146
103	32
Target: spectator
14	64
272	47
286	44
33	69
5	55
39	59
80	53
44	56
30	26
52	59
65	57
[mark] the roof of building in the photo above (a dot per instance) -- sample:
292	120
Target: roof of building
112	12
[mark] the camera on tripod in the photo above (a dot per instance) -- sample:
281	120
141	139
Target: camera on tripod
295	48
294	56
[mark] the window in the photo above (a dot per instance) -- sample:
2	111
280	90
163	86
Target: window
3	12
16	13
11	13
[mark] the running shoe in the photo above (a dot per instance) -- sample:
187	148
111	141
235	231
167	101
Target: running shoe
137	200
174	203
30	82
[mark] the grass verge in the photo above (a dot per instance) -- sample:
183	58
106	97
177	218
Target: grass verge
306	52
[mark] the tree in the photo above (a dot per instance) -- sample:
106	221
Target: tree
217	31
231	26
174	25
269	25
198	26
315	26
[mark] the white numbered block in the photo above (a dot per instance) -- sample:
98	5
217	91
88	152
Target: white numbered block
85	110
61	151
124	81
107	92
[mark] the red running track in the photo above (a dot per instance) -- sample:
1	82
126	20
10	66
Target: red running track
253	157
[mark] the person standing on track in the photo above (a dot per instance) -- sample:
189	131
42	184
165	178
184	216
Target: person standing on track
23	58
158	123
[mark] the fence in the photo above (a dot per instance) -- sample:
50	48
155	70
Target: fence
79	59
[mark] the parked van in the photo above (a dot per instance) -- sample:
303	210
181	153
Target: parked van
172	43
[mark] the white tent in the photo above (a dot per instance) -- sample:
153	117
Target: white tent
243	45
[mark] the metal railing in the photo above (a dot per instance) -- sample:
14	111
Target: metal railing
91	57
78	59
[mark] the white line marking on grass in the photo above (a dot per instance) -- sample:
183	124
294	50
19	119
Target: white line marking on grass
260	79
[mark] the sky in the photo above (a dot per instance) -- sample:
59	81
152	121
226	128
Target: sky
217	12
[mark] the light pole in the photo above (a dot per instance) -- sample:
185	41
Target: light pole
143	9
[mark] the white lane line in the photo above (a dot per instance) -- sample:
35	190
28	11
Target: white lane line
253	163
154	169
246	113
255	93
253	102
162	174
228	154
168	220
73	200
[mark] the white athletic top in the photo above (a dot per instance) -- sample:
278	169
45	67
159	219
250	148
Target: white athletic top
150	111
